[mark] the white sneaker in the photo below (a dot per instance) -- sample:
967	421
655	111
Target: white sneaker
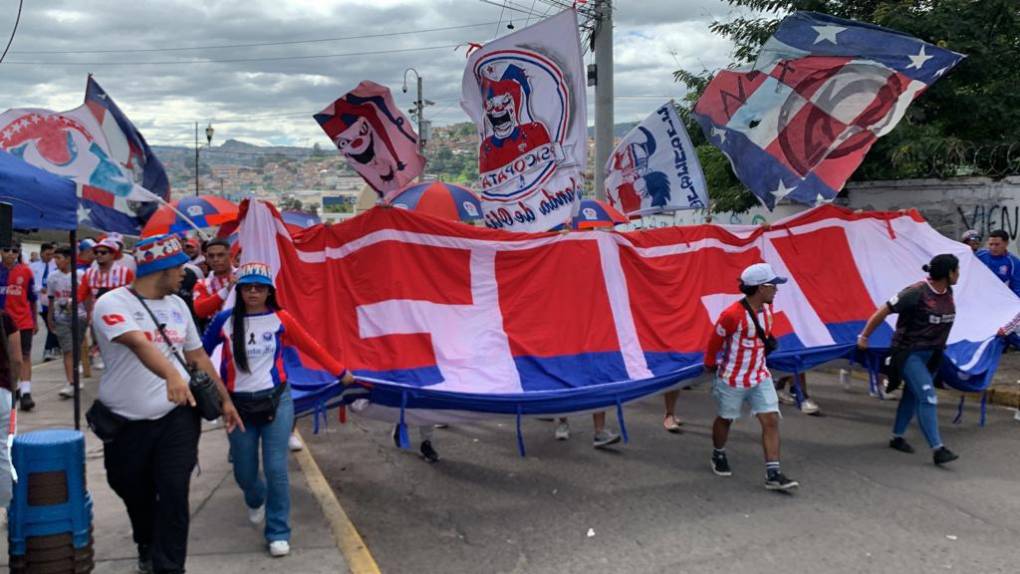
563	431
97	362
295	443
279	548
786	398
257	515
67	392
605	438
809	407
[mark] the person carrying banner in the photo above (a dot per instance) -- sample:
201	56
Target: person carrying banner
18	299
151	431
253	335
212	291
744	334
59	318
997	257
926	315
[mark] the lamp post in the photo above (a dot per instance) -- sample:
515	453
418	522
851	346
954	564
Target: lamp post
419	110
208	140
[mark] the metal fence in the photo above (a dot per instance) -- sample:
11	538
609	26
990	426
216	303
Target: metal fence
949	158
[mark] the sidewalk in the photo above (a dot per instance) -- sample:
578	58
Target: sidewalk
222	540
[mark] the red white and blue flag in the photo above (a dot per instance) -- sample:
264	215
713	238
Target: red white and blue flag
76	144
442	316
526	94
822	90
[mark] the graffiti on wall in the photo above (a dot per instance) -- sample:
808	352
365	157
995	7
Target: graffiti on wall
986	218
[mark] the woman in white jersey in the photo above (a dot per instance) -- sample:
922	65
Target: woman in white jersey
252	336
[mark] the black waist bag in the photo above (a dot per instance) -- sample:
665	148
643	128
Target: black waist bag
104	422
258	411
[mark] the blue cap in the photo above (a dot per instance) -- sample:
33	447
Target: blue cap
255	273
157	253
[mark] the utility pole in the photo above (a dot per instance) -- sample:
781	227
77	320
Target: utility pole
603	45
196	159
419	110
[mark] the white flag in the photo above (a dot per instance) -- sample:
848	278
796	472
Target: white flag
526	94
655	168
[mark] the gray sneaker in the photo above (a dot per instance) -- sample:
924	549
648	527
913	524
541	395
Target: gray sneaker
605	438
563	431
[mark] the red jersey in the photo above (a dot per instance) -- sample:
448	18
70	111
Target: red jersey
743	360
17	291
96	280
210	294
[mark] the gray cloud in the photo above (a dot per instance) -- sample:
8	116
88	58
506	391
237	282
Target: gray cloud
272	101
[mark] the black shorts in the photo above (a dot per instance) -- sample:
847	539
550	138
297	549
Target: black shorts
26	342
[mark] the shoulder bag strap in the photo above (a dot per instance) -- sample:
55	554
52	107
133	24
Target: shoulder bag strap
754	319
162	331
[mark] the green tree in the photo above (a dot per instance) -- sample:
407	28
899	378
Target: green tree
974	107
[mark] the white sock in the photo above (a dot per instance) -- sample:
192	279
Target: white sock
25	387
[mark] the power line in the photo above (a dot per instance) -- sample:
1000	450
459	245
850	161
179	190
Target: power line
256	44
235	60
14	31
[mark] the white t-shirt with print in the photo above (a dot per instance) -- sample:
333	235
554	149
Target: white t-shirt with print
128	388
59	293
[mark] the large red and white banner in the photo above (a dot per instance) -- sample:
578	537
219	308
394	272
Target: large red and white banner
441	307
526	94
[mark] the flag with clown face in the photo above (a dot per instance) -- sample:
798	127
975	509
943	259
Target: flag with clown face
525	93
374	137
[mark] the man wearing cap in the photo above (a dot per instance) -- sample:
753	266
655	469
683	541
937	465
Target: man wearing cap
744	334
971	238
150	459
18	298
85	255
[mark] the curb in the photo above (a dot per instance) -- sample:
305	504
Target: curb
345	535
1001	394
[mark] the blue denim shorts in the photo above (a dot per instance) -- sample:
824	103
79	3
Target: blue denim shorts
729	400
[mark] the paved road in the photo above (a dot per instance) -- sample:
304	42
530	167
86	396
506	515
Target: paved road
654	506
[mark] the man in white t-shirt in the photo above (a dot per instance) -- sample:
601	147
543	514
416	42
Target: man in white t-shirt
150	459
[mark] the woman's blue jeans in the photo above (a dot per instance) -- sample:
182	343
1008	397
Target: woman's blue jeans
274	489
918	397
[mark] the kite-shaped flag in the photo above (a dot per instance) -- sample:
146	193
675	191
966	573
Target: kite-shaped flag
374	136
822	90
655	168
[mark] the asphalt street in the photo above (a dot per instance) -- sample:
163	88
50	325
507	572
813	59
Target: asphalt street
653	505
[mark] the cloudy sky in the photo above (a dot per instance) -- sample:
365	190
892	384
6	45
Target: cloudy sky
170	63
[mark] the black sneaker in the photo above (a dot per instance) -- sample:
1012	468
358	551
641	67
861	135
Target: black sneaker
27	403
721	466
144	559
778	481
428	452
944	455
898	443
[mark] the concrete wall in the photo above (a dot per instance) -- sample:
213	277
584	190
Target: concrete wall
951	206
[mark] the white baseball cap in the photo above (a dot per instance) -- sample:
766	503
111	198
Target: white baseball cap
760	274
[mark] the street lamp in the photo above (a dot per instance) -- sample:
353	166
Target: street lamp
208	139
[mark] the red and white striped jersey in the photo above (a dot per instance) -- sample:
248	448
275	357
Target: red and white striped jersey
96	280
743	359
210	294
